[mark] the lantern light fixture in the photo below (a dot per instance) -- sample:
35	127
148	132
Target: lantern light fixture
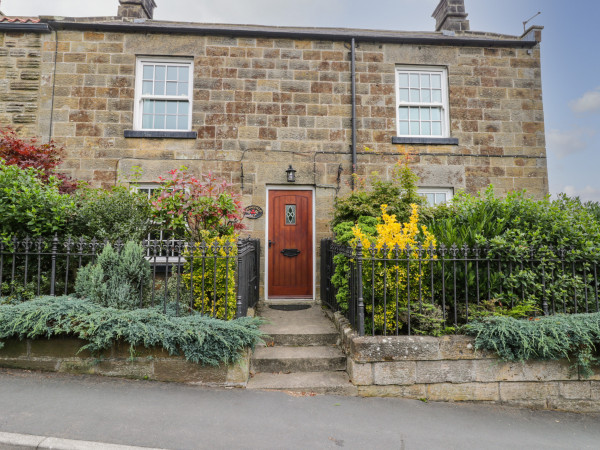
291	174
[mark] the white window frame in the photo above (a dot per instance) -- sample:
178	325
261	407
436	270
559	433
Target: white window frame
139	97
423	191
443	71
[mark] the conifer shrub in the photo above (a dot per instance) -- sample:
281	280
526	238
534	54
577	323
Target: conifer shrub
572	336
117	280
200	339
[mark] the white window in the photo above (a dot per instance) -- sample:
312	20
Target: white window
163	94
422	95
436	196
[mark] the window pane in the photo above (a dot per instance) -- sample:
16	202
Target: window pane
426	96
436	96
414	95
160	73
172	73
159	122
403	80
184	74
425	113
171	122
425	80
147	87
430	199
440	198
147	121
414	80
182	122
148	72
290	214
403	113
172	108
436	129
183	89
426	128
414	129
436	81
403	128
403	95
171	88
414	113
184	108
148	107
159	107
159	88
436	114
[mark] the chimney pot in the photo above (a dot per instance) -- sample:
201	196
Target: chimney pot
450	15
138	9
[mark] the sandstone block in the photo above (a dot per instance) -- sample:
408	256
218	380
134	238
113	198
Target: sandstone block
416	391
360	374
400	373
463	392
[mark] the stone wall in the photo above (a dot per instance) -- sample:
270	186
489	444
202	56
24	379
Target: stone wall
61	355
20	74
449	369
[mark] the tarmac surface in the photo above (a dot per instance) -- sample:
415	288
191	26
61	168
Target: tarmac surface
177	416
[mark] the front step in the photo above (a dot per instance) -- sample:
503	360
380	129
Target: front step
298	359
336	383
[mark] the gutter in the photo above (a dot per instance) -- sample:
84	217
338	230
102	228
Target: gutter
353	80
241	31
27	27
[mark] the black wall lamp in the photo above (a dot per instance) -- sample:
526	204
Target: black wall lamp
291	174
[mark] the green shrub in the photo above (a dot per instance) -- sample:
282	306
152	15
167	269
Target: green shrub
30	206
115	280
563	336
218	285
201	339
115	213
399	194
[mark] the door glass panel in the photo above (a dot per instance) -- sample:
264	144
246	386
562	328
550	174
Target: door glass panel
290	214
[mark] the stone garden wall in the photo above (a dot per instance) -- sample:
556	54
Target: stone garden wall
449	369
60	355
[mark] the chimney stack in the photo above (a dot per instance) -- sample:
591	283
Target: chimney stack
138	9
450	15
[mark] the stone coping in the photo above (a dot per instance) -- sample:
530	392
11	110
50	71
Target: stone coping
449	368
59	354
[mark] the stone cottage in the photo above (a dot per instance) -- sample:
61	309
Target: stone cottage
264	105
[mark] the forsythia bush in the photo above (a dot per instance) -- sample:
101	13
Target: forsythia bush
386	284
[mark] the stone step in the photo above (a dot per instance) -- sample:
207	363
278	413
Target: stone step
298	359
300	339
336	383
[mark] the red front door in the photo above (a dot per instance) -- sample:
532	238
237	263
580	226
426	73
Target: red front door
290	244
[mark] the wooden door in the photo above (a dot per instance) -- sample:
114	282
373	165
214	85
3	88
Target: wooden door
290	244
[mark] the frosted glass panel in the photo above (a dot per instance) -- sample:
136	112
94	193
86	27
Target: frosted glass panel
414	95
435	114
425	81
404	128
414	80
414	113
436	129
403	95
172	74
436	96
403	80
426	128
436	81
403	113
414	129
290	214
148	72
160	73
171	88
425	113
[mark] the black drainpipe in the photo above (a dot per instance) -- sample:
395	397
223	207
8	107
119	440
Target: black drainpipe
53	84
353	77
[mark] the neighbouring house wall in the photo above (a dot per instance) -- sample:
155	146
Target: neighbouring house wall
20	74
449	369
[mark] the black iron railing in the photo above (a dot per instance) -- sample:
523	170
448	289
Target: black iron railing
220	280
391	291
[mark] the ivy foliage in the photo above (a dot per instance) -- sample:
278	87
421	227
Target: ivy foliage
548	338
116	279
200	339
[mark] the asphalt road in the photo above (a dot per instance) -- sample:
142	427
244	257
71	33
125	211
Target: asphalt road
179	416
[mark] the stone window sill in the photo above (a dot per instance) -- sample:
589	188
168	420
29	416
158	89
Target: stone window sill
425	140
161	134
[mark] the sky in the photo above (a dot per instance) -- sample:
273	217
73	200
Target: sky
570	55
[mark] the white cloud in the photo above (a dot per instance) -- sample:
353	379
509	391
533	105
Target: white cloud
588	102
565	143
587	193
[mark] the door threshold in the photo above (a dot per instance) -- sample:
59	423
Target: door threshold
289	301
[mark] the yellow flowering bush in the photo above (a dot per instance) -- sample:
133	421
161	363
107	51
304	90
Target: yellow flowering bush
392	275
219	276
